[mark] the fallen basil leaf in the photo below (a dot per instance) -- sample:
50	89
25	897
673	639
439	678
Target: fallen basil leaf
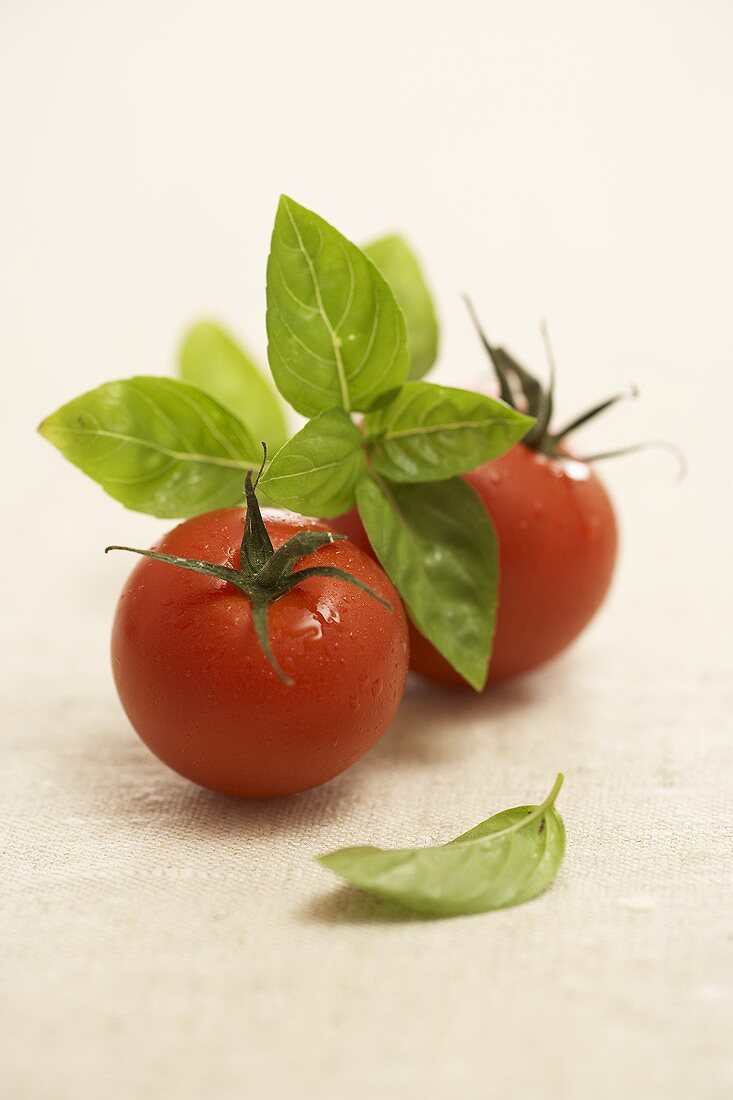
157	445
400	267
437	545
336	335
213	361
506	860
429	432
316	472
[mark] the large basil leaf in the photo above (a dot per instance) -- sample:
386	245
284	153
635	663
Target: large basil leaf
156	445
508	859
317	470
400	267
213	361
336	334
428	432
438	546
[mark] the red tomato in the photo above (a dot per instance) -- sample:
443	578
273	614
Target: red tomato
200	692
557	548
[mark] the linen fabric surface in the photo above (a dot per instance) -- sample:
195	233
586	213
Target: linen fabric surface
162	943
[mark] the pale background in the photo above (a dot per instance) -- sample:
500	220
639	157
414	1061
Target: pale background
571	160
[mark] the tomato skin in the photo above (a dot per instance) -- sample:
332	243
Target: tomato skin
200	692
557	549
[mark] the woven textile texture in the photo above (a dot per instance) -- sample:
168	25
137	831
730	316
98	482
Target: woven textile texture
161	941
158	942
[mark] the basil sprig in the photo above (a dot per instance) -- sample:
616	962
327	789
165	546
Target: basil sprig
350	331
318	470
399	265
429	432
338	343
438	545
506	860
337	338
212	360
156	445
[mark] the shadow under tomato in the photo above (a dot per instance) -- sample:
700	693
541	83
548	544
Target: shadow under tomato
130	787
120	783
288	815
425	729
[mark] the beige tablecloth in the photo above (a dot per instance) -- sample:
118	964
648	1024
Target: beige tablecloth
158	942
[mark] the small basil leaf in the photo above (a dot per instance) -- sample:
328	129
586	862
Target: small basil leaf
317	470
437	544
400	267
213	361
429	433
506	860
336	334
155	444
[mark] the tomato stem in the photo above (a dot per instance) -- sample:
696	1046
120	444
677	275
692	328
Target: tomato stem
600	456
256	549
524	392
594	411
265	574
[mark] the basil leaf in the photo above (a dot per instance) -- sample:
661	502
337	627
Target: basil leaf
156	445
438	546
213	361
428	432
336	334
400	267
508	859
317	470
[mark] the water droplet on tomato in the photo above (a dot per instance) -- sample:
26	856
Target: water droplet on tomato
377	688
576	471
308	626
328	612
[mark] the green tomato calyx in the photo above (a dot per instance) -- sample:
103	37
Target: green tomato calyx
525	393
265	574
